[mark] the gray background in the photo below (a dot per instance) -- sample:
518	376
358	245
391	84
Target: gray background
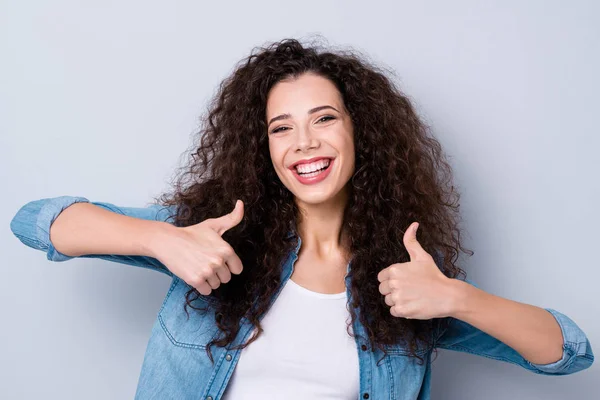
101	100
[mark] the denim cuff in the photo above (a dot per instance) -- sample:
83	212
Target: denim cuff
576	346
48	213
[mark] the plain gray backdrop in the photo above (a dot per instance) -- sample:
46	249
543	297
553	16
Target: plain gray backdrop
101	99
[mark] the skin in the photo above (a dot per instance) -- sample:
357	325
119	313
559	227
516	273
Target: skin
418	289
415	289
300	135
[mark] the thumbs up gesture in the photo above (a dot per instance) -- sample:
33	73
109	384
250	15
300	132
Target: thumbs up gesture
198	254
416	289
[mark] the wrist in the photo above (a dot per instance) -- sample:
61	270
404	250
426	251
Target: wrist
152	235
461	295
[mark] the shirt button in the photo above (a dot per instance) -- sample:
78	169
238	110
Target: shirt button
364	347
366	396
228	357
209	398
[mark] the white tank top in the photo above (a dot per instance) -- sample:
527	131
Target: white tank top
303	353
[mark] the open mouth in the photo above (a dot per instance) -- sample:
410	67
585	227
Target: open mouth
309	174
308	177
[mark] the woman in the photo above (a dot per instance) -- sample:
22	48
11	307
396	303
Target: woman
317	283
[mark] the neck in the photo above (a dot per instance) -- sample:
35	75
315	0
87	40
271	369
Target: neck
321	228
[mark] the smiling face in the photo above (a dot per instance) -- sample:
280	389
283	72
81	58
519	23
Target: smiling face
307	118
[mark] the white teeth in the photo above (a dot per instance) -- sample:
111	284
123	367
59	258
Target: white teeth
312	167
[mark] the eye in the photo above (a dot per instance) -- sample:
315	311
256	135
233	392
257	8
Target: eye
323	119
278	129
326	116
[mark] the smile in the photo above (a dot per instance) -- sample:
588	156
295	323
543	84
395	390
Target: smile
313	177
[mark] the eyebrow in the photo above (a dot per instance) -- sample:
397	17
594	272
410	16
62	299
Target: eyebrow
311	111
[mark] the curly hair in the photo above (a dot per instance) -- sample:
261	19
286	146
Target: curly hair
400	176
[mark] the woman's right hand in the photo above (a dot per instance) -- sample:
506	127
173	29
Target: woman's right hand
197	254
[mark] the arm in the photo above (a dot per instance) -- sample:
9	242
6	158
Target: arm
541	340
91	230
476	322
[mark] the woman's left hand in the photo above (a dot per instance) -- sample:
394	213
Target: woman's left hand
417	289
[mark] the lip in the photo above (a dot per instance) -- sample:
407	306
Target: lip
314	179
308	161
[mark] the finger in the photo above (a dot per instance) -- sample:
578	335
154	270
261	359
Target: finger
390	272
213	281
228	221
223	274
415	251
384	287
234	263
398	312
203	288
389	300
384	274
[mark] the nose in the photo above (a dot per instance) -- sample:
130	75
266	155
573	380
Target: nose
306	140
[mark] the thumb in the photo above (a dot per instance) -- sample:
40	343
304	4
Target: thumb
415	251
228	221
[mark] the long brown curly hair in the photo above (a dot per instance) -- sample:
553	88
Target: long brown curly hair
400	176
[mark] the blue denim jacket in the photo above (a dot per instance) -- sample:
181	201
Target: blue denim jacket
176	365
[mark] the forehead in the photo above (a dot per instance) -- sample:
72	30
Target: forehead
302	93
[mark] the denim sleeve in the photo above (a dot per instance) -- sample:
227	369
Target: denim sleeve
577	351
31	225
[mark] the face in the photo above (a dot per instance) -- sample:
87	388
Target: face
307	119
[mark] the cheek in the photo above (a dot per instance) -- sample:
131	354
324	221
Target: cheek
277	160
346	141
348	149
271	150
274	154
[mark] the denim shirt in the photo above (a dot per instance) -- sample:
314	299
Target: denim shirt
176	365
